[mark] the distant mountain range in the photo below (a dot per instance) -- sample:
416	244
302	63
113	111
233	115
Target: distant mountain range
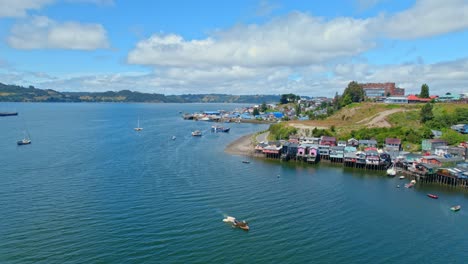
15	93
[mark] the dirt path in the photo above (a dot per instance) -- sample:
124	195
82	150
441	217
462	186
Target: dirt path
380	119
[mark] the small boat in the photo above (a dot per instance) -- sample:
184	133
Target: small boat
455	208
391	172
8	113
409	185
173	137
197	133
246	161
398	186
433	196
25	141
236	223
402	177
138	128
220	129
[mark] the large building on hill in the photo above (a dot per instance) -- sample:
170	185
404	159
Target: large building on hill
379	90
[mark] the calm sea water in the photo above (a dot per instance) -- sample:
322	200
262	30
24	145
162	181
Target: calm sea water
89	189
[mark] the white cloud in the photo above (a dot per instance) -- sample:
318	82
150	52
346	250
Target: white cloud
295	40
427	18
265	8
43	33
18	8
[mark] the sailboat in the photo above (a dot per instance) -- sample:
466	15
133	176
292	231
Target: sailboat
25	141
138	128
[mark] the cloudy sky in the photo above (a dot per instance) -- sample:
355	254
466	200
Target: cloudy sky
312	48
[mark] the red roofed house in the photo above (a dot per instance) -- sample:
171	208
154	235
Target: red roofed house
415	99
392	144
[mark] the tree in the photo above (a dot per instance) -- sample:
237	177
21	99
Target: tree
424	91
263	107
284	99
426	113
298	109
255	112
355	92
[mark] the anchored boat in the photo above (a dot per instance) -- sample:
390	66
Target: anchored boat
236	223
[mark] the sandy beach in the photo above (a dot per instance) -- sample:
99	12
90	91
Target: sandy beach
241	146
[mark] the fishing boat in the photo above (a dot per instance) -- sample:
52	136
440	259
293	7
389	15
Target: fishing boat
25	141
236	223
455	208
138	128
220	129
246	161
433	196
197	133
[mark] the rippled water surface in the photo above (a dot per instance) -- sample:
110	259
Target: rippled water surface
89	189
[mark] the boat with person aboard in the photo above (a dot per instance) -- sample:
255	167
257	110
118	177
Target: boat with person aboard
236	223
455	208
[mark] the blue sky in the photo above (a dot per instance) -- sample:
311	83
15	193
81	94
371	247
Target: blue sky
312	48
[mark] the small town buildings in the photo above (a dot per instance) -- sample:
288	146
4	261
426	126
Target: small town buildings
330	141
337	153
380	90
342	143
367	143
433	160
392	144
431	144
396	100
353	142
415	99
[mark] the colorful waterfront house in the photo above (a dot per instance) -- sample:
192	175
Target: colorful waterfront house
259	147
272	151
372	157
337	152
447	152
324	150
290	149
330	141
353	142
310	140
366	143
312	153
351	157
342	143
433	160
431	144
301	150
392	144
349	149
360	158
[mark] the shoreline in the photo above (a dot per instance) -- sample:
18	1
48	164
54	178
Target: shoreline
241	146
